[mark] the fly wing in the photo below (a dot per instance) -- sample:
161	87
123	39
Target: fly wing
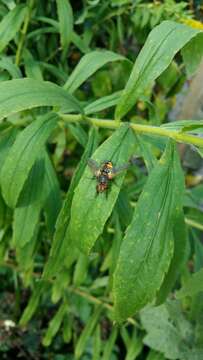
117	170
94	166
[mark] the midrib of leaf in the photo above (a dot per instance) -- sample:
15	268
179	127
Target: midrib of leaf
27	145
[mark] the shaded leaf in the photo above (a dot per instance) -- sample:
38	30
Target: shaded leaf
21	94
26	214
11	24
88	65
22	156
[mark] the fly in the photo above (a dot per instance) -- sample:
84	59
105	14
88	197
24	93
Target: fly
105	173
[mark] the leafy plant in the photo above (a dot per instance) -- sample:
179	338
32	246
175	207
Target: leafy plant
99	275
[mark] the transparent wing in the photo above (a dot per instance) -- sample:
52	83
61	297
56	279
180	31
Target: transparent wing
117	170
94	166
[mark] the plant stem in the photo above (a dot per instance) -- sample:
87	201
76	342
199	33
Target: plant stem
193	223
145	129
24	32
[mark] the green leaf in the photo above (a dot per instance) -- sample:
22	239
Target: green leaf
89	212
59	246
65	15
33	303
193	286
147	247
54	325
22	156
110	343
154	355
103	103
52	191
179	257
192	54
87	332
163	42
134	347
7	64
162	334
80	271
32	68
88	65
11	24
21	94
26	214
7	138
97	344
147	153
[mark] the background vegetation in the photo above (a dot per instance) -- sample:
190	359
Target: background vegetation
99	277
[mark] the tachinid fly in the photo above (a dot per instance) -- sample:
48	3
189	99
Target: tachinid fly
105	173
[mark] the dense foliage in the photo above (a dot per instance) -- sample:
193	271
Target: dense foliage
116	274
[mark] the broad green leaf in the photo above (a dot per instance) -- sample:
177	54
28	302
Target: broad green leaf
21	94
65	15
54	325
26	214
87	332
179	257
53	200
163	42
162	334
88	65
59	245
103	103
193	286
147	247
192	54
7	64
11	24
22	156
90	212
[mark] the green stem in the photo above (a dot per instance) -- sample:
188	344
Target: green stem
24	32
138	128
194	224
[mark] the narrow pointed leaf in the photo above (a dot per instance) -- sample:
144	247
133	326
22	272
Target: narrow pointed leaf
11	24
22	156
59	246
163	42
65	15
179	257
88	65
20	94
89	212
52	192
147	247
26	214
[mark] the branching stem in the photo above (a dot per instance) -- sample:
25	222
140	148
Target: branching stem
178	136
